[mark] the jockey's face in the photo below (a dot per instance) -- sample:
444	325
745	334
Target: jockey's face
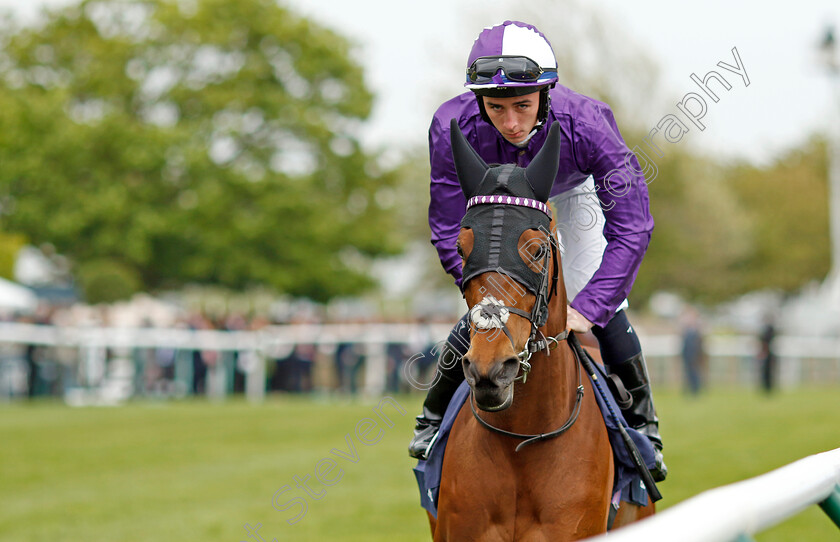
513	117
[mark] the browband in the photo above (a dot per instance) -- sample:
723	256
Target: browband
510	200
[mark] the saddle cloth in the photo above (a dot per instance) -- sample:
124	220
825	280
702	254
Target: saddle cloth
627	486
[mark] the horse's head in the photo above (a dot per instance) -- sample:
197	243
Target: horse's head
511	266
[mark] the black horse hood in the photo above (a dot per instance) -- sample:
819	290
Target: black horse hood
503	202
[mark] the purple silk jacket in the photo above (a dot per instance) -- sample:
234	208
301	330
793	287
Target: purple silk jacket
590	145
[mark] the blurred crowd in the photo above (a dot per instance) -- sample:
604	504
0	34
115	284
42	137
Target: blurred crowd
285	362
335	367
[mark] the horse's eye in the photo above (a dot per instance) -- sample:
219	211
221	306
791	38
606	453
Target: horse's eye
539	254
459	250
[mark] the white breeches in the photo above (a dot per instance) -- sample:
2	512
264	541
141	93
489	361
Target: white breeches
580	232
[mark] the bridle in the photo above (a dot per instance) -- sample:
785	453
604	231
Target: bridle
537	318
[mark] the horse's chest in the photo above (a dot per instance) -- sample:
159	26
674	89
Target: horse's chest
543	492
530	490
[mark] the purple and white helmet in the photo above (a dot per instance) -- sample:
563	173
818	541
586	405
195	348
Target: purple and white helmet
513	56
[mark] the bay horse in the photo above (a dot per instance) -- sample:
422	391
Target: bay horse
530	458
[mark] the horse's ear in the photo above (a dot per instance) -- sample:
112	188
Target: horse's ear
543	168
468	164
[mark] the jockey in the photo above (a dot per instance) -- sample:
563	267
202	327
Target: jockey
600	195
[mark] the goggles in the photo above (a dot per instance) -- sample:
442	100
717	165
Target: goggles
520	69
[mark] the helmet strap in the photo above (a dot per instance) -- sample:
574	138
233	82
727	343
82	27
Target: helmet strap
545	105
524	143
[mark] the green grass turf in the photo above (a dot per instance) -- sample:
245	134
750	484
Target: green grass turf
197	470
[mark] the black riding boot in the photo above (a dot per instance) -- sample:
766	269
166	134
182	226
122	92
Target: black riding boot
449	376
641	414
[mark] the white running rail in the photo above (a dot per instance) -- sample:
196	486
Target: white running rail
734	512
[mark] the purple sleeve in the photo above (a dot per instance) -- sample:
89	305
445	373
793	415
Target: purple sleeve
448	204
623	194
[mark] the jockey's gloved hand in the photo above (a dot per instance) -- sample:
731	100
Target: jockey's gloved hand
577	322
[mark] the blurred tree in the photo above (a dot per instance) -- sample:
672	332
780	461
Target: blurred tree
725	230
788	204
10	245
201	141
702	235
412	198
106	281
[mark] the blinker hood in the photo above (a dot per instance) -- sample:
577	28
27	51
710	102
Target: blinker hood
515	203
496	230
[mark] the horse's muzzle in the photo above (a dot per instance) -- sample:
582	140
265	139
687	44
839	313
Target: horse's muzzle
493	388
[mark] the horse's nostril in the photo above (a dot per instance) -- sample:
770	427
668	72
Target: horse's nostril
467	366
507	369
511	364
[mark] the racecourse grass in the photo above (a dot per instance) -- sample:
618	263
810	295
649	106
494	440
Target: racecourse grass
197	470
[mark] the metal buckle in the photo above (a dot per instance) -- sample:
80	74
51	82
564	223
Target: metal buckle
524	357
526	368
